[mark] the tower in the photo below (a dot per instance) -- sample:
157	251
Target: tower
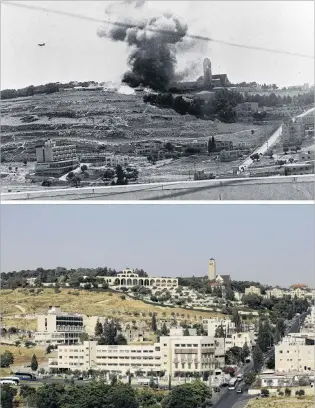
212	273
207	73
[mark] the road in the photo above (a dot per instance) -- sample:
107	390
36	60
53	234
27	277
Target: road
270	142
260	188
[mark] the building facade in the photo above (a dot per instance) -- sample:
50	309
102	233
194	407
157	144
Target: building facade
294	355
211	325
57	327
173	355
55	160
212	269
252	290
129	278
292	134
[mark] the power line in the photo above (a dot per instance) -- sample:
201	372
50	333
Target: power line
166	32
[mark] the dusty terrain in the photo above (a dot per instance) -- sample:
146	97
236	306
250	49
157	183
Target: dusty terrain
95	120
87	303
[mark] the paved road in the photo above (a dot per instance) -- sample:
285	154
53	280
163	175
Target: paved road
270	142
262	188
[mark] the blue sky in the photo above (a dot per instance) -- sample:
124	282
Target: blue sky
73	50
268	243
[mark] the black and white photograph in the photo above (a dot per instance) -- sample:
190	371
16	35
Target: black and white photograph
157	100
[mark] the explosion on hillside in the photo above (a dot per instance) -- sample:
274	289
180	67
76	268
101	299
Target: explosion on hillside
154	42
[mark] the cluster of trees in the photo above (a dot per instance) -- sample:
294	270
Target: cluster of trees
60	275
277	308
109	333
122	175
236	355
6	359
222	107
117	395
51	87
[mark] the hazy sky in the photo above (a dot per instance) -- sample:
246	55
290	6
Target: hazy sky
73	50
268	243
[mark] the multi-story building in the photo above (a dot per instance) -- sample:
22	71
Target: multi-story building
292	134
173	355
57	327
240	339
211	325
276	293
55	160
105	159
252	290
129	278
247	108
294	355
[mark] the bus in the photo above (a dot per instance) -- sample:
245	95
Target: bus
25	376
16	380
233	383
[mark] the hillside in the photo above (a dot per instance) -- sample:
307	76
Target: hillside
84	302
282	403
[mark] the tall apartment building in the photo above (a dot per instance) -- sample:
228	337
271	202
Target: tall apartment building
57	327
173	355
212	269
55	160
293	354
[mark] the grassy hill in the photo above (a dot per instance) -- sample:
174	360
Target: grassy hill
308	402
19	306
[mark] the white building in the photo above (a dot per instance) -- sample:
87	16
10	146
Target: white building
276	293
106	159
240	339
55	160
129	278
211	325
252	290
294	355
173	355
57	327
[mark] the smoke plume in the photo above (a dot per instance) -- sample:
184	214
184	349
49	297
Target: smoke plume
153	42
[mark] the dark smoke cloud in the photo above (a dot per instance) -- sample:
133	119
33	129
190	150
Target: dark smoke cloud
153	40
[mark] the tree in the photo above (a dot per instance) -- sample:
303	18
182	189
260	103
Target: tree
271	362
84	168
237	320
258	358
6	359
219	332
287	392
264	392
120	340
249	378
34	363
98	331
164	330
245	352
186	332
153	323
49	396
188	395
7	396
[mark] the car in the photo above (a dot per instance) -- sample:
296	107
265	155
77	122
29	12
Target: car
239	391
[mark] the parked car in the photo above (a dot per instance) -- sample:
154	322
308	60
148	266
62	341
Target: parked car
239	390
